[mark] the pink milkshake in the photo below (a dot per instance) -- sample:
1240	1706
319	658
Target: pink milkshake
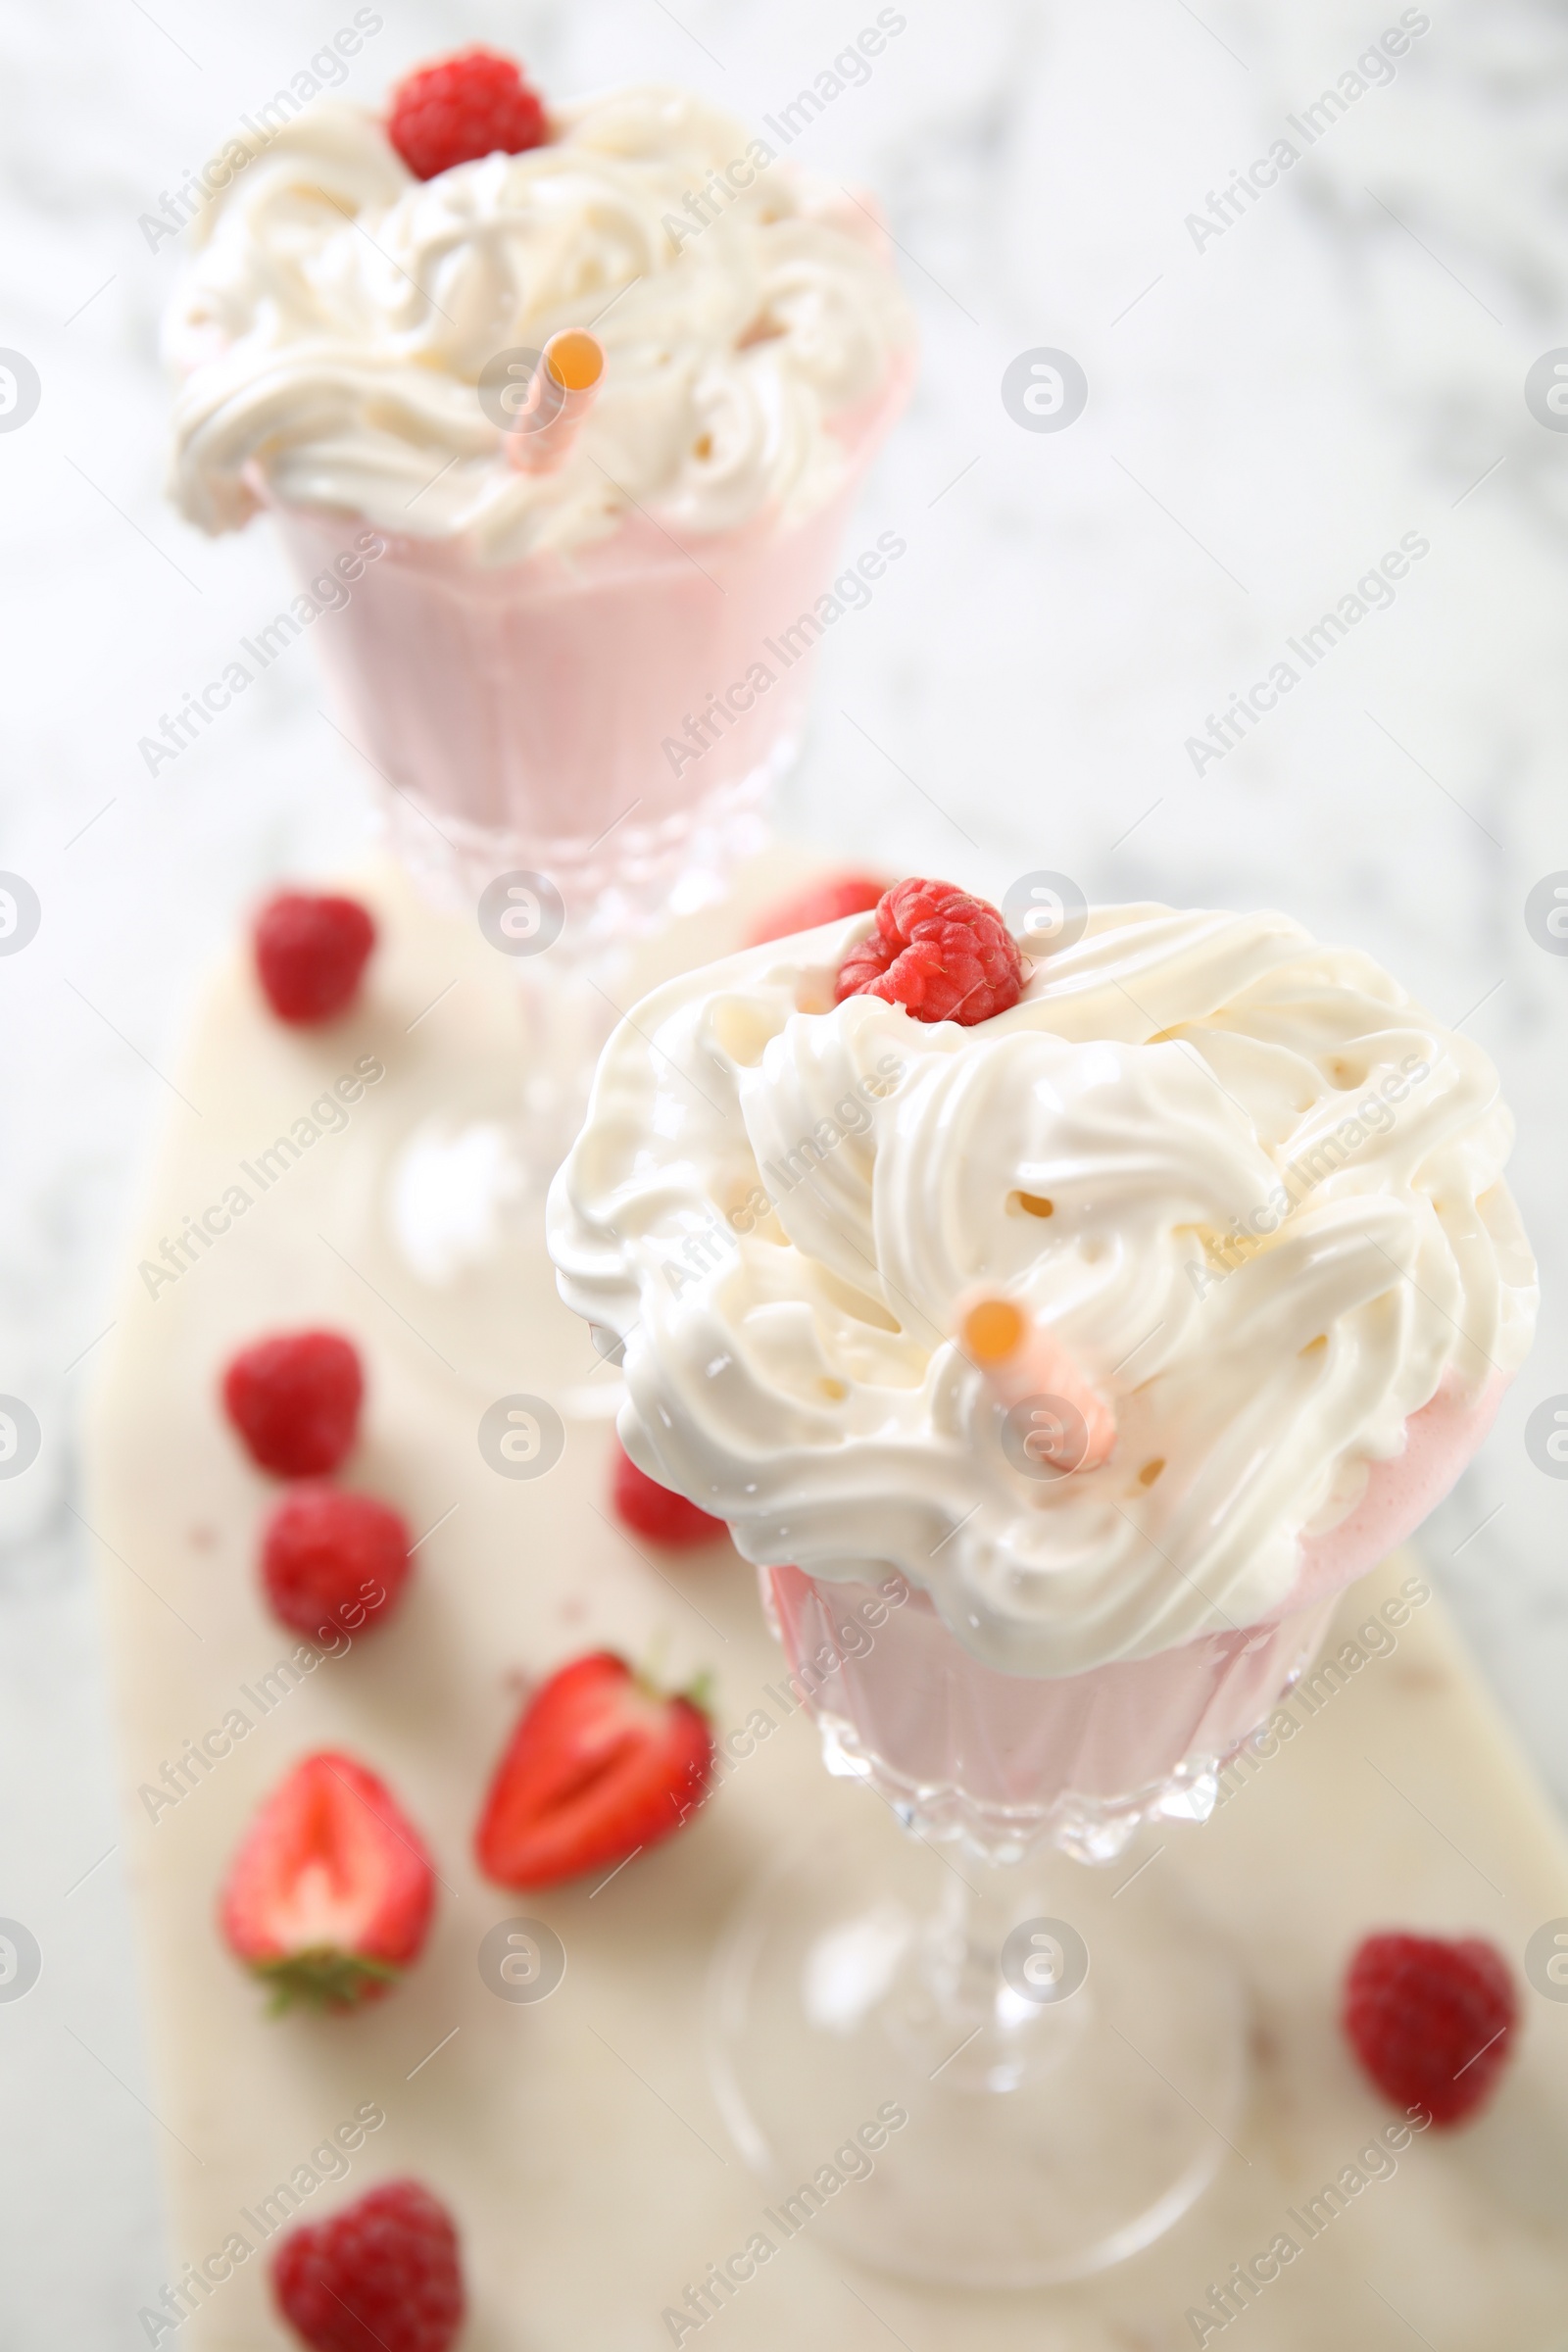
1003	1759
1056	1368
1180	1199
612	715
582	641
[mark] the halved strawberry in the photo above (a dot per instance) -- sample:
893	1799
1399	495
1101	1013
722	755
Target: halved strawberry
601	1765
330	1897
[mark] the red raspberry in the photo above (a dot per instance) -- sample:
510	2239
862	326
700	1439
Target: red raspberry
295	1400
940	953
309	953
1430	2021
655	1511
382	2276
464	107
819	903
333	1560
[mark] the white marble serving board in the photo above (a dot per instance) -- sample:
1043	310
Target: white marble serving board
578	2140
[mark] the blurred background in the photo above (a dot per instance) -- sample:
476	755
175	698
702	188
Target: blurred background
1282	386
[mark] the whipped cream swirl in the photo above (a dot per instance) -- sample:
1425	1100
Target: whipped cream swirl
1249	1184
332	326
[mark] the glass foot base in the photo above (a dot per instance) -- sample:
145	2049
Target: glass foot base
980	2077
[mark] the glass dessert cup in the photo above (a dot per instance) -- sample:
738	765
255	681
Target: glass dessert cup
548	717
594	714
1067	2044
573	747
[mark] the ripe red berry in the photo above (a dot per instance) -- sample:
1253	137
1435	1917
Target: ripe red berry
332	1560
1430	2021
655	1511
601	1765
382	2276
462	107
825	902
329	1895
940	953
309	953
295	1400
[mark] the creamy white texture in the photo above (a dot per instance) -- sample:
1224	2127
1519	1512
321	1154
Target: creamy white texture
1277	1228
331	328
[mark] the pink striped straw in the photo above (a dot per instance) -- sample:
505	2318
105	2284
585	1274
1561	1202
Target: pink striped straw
1022	1361
560	392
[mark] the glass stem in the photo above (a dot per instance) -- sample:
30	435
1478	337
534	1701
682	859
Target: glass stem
975	1914
985	2006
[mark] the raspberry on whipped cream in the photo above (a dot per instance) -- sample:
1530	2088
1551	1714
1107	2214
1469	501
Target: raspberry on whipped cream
462	108
1250	1189
938	952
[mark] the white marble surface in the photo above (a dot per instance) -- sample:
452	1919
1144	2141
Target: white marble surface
1267	416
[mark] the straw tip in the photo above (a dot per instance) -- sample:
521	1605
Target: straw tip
575	358
994	1328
